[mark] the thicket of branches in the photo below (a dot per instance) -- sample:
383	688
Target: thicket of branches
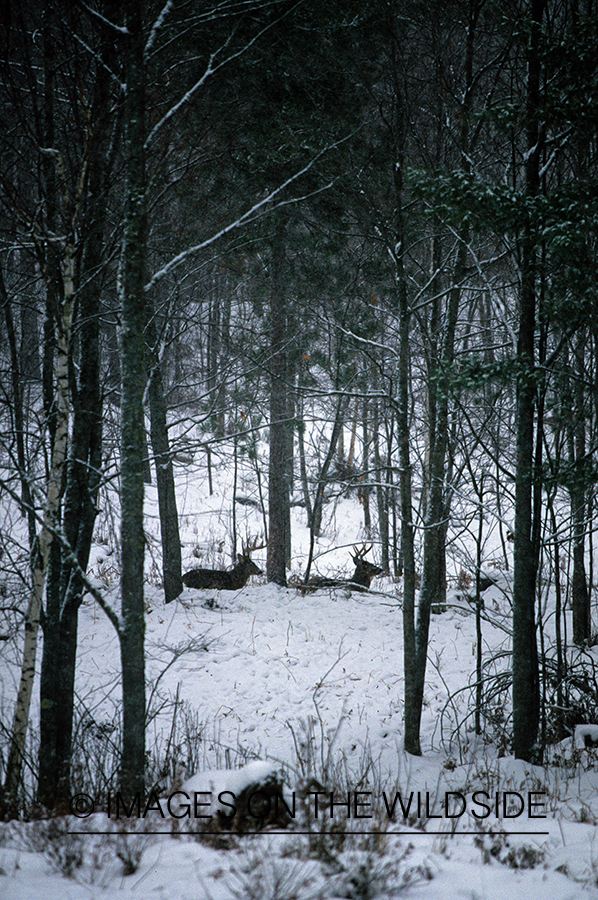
365	232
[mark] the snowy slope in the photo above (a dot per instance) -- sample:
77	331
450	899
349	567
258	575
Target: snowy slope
312	686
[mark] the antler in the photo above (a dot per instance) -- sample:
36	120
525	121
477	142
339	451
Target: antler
360	554
249	546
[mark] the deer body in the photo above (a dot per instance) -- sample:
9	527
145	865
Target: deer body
219	579
362	576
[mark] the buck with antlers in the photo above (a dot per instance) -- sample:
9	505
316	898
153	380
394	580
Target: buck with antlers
362	576
226	580
364	569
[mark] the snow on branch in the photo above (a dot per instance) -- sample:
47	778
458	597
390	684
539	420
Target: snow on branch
156	27
260	208
121	29
94	55
211	68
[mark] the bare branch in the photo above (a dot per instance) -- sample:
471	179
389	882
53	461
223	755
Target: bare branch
261	207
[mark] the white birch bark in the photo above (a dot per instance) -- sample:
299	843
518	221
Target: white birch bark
40	564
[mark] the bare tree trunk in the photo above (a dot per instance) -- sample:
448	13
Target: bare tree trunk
218	338
167	506
396	138
526	686
580	595
57	683
18	412
302	464
382	491
364	492
83	474
278	480
442	350
132	773
315	522
410	660
51	521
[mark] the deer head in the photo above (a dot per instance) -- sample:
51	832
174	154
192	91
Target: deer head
364	569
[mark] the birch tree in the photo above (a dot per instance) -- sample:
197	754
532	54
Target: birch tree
84	467
56	246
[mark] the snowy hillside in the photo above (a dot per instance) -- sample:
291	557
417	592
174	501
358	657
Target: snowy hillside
312	686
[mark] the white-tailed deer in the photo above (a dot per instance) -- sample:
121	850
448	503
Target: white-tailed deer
364	569
226	580
362	576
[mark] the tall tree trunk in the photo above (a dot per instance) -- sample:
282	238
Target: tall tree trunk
51	522
315	522
364	491
396	137
412	706
17	409
278	475
57	683
442	350
526	687
79	514
167	507
580	595
56	398
132	771
218	339
305	491
381	470
59	645
433	590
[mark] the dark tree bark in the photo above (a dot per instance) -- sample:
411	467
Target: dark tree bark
396	137
442	352
57	683
363	491
410	656
315	521
381	470
169	520
278	475
132	772
433	589
580	595
526	686
17	409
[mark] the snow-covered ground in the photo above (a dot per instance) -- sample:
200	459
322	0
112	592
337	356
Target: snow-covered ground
312	686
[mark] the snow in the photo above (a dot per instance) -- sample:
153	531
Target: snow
309	688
